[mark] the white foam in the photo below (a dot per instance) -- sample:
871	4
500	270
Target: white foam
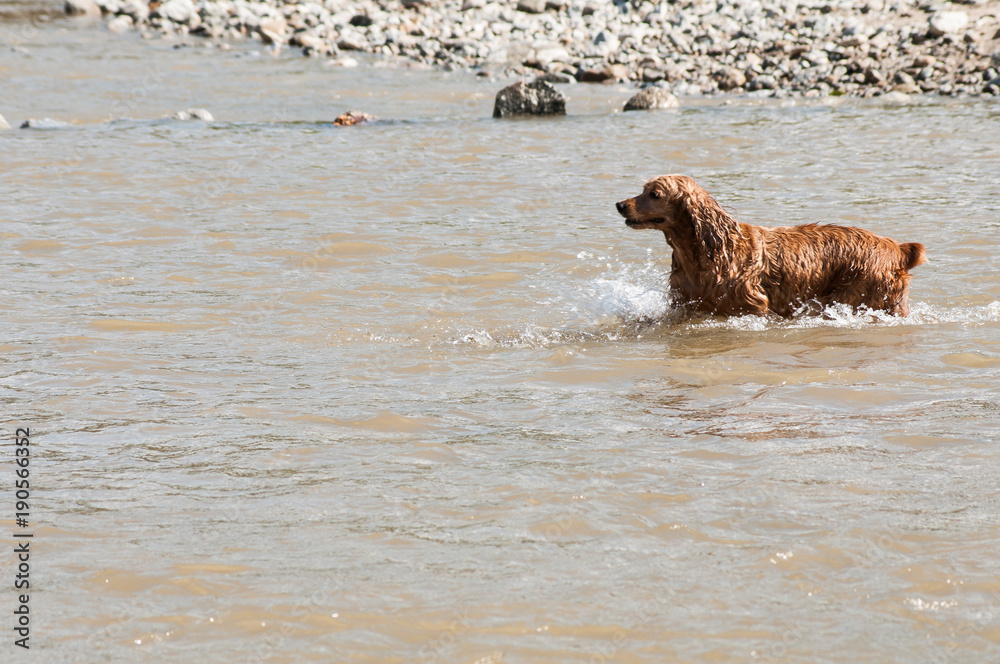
629	301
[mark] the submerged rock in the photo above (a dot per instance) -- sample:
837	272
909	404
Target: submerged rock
535	98
193	114
556	77
120	23
44	123
651	98
81	8
353	118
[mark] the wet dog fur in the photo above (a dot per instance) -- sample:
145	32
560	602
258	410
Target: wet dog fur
721	266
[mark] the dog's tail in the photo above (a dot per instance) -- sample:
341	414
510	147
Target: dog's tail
913	255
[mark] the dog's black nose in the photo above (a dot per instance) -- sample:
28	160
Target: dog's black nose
620	205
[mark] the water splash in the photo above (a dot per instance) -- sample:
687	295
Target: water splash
629	302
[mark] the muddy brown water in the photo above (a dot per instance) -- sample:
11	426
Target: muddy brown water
412	392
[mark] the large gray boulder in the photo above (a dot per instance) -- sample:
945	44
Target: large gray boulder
535	98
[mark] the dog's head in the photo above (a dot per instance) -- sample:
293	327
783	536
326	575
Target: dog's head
685	212
661	205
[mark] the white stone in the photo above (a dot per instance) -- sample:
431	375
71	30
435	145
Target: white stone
178	11
552	54
947	22
121	23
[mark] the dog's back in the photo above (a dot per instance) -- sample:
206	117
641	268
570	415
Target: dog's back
823	264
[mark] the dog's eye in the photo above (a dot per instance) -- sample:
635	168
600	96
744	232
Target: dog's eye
656	194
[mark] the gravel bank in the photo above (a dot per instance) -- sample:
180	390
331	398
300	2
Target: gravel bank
693	47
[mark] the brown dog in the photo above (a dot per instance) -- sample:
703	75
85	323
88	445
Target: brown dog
721	266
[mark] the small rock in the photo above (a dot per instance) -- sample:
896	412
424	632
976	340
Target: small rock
653	75
548	55
764	82
651	98
274	30
924	60
3	123
607	42
730	78
896	97
874	76
81	8
946	22
193	114
535	98
352	40
352	118
310	43
608	74
137	9
44	123
121	23
531	6
178	11
347	62
556	77
853	41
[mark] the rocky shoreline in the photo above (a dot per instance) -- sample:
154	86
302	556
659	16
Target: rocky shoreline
763	48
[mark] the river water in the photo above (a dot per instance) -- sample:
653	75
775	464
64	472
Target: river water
412	392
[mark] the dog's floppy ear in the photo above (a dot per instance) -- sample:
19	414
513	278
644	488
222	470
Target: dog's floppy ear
714	229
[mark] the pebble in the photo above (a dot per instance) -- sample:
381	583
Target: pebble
531	6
